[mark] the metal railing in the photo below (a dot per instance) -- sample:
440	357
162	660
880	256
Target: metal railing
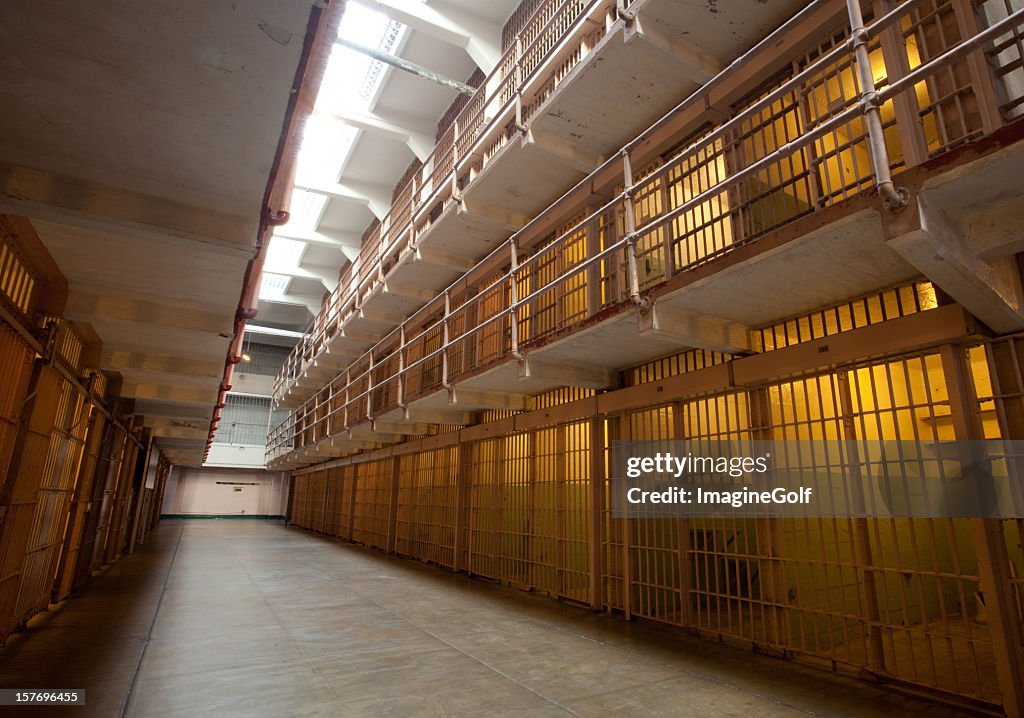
555	37
785	154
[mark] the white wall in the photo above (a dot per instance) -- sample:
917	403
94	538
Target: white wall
246	383
244	455
226	492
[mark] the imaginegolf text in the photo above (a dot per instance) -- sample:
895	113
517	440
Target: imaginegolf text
736	499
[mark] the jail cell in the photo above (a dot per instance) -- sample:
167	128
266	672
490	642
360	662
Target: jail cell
1006	57
373	503
949	105
116	535
77	542
16	359
998	376
528	518
57	481
553	306
337	501
317	498
425	521
22	488
111	455
299	515
485	506
560	510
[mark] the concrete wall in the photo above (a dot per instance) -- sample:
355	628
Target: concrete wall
237	455
225	492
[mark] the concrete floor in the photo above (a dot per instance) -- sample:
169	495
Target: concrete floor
251	618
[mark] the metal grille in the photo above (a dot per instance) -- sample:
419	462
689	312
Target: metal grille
948	101
17	280
897	598
372	503
15	369
244	420
425	521
795	145
1006	56
57	479
873	309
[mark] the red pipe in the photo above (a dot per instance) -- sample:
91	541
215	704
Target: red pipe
321	32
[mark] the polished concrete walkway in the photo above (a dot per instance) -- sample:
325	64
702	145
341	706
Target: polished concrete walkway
250	618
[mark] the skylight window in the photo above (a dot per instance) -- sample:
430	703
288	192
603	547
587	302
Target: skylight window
273	285
306	209
284	252
351	84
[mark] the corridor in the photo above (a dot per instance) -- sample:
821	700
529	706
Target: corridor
252	618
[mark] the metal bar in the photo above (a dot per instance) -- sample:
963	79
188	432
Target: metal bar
989	541
411	67
861	534
951	56
893	198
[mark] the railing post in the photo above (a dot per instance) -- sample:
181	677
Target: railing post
630	226
893	198
905	104
369	388
513	300
401	367
348	388
593	240
444	341
456	195
668	261
518	71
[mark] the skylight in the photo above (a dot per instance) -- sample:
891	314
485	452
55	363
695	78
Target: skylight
284	252
351	84
273	285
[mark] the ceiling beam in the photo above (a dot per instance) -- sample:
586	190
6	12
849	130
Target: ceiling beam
376	197
406	66
169	392
480	38
328	237
39	194
88	303
419	141
120	360
301	300
327	276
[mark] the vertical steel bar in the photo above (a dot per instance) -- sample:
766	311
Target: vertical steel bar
596	432
861	534
893	198
989	541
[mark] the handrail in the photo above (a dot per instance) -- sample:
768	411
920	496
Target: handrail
510	308
386	245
